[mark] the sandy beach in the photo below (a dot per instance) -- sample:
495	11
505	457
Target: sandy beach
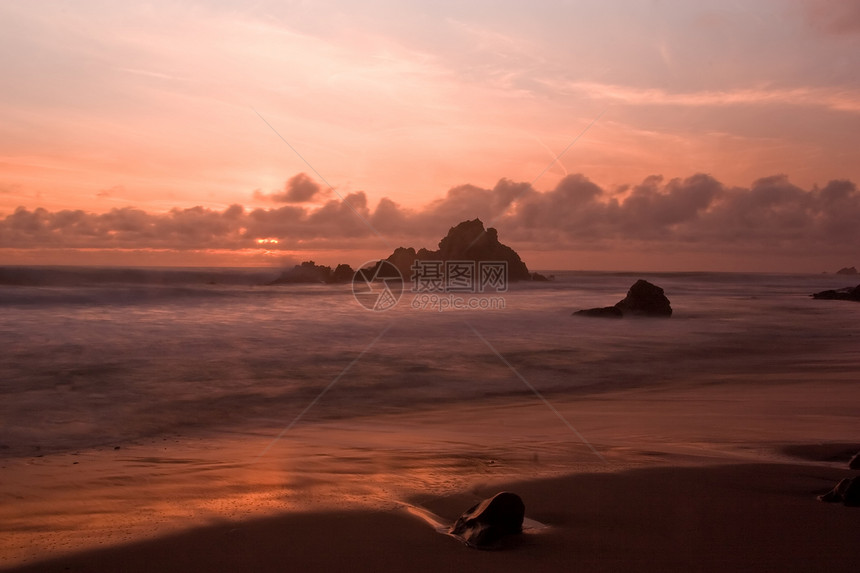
292	286
749	517
707	478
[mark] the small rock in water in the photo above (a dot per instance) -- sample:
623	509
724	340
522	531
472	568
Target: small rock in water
603	312
846	492
643	299
848	293
484	524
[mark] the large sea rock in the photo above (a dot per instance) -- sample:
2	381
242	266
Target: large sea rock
486	523
849	293
467	241
643	299
847	271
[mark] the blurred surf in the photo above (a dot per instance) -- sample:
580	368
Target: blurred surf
95	356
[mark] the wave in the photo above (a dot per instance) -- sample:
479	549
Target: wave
89	276
53	286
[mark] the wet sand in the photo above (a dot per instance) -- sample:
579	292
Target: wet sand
750	517
709	477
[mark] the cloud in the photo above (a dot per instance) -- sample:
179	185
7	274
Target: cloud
693	214
696	213
112	192
299	189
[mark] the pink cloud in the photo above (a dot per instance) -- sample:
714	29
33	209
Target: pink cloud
697	213
299	189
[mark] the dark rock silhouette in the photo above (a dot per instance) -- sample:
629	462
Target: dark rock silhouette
467	241
846	492
643	299
403	258
381	270
342	274
486	523
848	293
647	299
308	272
470	241
847	271
602	312
854	464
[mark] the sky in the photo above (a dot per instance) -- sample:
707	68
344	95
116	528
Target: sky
628	135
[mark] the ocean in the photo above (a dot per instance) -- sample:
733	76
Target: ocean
97	358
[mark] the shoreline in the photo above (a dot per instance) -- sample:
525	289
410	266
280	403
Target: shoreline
67	506
740	517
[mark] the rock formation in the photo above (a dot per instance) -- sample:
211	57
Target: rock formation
854	464
849	293
403	258
308	272
342	274
486	523
643	299
846	492
468	241
847	271
601	312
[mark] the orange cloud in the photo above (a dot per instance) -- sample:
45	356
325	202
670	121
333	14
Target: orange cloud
299	189
696	214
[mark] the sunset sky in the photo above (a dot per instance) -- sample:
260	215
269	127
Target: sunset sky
702	135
